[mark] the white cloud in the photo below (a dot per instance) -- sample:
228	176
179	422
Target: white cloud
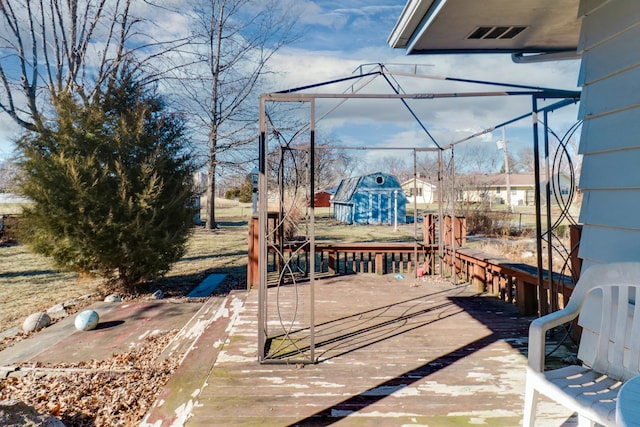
453	117
344	34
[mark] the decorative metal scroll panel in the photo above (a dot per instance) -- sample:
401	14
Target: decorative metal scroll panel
287	312
560	192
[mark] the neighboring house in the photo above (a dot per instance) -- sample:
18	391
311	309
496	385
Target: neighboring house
605	34
492	188
10	198
370	199
425	192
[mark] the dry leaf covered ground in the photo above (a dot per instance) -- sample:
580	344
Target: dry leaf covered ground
114	392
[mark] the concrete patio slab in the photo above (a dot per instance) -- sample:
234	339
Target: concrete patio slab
122	325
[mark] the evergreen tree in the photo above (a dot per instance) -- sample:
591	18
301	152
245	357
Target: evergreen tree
246	191
111	184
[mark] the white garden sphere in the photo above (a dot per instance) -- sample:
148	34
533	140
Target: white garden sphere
87	320
36	321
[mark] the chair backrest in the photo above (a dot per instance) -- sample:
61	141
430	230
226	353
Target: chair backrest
610	319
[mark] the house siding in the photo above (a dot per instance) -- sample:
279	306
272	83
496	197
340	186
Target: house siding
610	179
426	191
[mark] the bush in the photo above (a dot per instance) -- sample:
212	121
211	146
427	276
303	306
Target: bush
481	220
232	194
9	228
245	194
111	185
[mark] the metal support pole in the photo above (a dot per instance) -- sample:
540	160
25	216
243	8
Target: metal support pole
312	237
542	306
440	213
453	218
549	224
262	233
415	213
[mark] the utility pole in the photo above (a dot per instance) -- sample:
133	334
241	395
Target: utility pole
502	145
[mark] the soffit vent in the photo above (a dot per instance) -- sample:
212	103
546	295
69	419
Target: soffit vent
493	33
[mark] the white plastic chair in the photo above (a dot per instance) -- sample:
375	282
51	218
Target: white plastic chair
604	298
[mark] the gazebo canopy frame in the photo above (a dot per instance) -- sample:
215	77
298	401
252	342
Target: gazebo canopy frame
267	342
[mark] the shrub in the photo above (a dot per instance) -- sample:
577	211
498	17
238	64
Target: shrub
111	185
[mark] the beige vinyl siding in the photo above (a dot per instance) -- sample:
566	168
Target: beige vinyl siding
610	138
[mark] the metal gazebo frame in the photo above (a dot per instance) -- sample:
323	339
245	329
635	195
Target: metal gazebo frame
306	353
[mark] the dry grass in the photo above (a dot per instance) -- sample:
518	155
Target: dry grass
29	282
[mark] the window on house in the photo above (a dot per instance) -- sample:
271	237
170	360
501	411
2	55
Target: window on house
498	189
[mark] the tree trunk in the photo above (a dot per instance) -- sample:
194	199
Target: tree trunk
211	223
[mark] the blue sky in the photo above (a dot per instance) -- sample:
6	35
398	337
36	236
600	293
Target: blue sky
338	36
342	35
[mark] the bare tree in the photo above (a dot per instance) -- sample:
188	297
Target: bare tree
331	164
427	167
233	40
400	168
9	173
524	161
49	47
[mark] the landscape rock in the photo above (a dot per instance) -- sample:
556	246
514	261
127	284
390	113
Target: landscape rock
86	320
36	321
113	298
14	413
58	311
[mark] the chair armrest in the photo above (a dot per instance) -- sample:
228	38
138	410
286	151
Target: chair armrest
537	333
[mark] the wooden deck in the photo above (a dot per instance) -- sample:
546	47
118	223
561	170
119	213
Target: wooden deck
391	352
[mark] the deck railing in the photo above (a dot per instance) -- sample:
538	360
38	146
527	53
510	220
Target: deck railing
513	282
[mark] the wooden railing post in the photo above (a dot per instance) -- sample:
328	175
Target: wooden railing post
429	231
461	231
254	254
526	297
331	261
479	277
379	264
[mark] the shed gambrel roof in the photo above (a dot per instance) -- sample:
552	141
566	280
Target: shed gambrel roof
349	186
345	190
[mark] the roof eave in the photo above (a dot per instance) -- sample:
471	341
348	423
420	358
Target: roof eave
408	22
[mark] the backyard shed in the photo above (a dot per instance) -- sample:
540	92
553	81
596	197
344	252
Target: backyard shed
370	199
322	199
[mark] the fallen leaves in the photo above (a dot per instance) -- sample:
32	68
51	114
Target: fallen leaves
114	392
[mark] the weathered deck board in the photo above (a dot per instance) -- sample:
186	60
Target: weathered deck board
392	352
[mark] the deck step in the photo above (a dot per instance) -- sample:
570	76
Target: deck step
201	340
